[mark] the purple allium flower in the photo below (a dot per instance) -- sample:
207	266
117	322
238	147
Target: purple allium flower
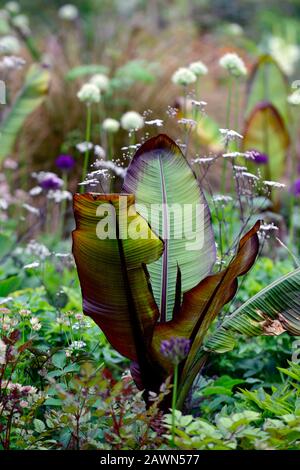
48	180
295	189
259	157
65	162
175	349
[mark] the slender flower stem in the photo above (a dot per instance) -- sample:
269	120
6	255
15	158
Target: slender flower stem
63	206
174	400
87	139
228	114
293	176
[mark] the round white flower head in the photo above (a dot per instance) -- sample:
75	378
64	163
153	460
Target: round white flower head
12	7
132	120
198	68
89	94
233	64
183	76
22	23
9	45
101	81
294	98
111	125
286	54
68	12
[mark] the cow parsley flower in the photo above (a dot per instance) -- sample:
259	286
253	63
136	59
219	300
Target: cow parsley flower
111	125
184	77
132	121
233	64
89	93
101	81
68	12
198	68
274	184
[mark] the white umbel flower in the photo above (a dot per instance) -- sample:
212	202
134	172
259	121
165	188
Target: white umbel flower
294	98
9	45
111	125
68	12
184	77
101	81
132	121
198	68
233	64
89	94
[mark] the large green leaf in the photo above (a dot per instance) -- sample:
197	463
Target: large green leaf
272	311
268	83
266	132
161	178
114	281
30	98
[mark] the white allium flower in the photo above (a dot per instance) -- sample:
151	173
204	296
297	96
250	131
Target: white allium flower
12	7
198	68
132	120
294	98
233	64
22	23
89	94
101	81
183	76
9	45
287	55
2	352
68	12
111	125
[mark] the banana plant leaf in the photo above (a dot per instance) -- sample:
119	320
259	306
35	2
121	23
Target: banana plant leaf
267	82
200	307
162	181
274	310
114	281
266	132
30	98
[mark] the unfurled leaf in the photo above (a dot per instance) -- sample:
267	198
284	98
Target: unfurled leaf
266	132
111	268
30	98
268	83
272	311
168	195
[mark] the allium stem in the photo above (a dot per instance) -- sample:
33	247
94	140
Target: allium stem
174	400
228	113
87	139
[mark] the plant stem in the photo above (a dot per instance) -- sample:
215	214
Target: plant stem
87	139
174	400
63	207
227	127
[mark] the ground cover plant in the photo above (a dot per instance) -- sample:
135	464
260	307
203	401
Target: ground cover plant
150	227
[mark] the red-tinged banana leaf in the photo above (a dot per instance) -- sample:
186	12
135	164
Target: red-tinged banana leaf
111	269
267	82
168	195
271	312
266	132
200	307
